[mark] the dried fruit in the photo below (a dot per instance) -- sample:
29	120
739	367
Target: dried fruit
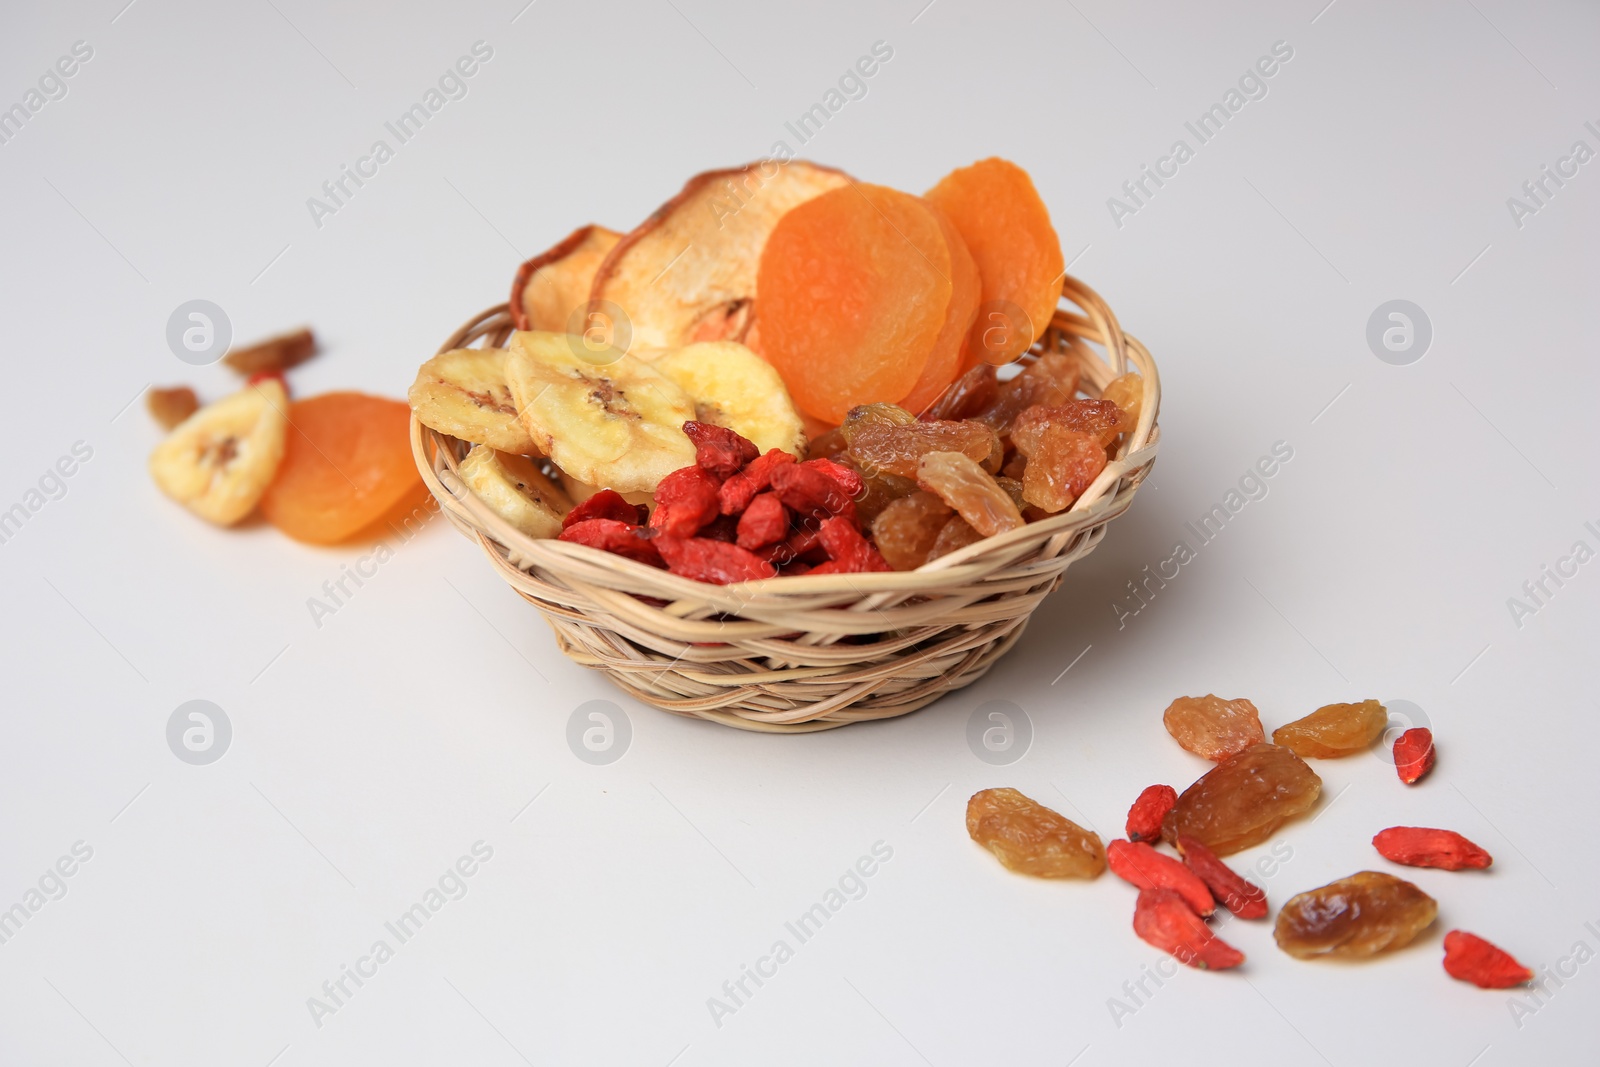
764	522
905	530
686	500
848	478
717	562
949	351
1142	866
1127	392
1413	754
1362	915
732	386
967	395
737	492
848	552
1242	801
827	445
879	490
1213	728
1006	226
516	490
968	488
1162	918
274	355
552	286
1049	381
891	449
956	534
171	406
809	491
1062	466
1334	730
607	504
1243	898
1096	418
610	535
1144	818
346	466
1029	838
1419	846
604	417
719	450
1487	966
855	286
220	461
463	393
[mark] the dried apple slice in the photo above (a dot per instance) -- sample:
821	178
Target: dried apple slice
552	285
688	272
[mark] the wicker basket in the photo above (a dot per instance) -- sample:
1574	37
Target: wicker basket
799	654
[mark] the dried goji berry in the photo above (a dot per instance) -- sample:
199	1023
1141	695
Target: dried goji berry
721	528
849	478
764	522
737	492
809	491
718	449
1487	966
716	562
1245	899
607	504
848	552
1420	846
686	500
1144	818
1413	754
623	538
1162	918
1140	865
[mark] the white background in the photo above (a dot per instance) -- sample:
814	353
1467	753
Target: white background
372	751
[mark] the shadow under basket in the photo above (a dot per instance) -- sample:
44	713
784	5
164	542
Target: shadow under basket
811	652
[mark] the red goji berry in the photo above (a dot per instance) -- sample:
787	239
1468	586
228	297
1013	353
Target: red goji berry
737	492
848	552
1413	754
1162	918
718	449
716	562
1144	818
686	500
607	504
764	522
809	491
848	478
1487	966
625	539
262	375
721	528
1421	846
1244	898
1140	865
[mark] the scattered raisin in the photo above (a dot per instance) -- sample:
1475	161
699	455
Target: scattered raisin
1362	915
1029	838
1334	730
171	406
1213	728
1242	801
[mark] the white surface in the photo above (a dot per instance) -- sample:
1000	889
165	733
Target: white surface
372	752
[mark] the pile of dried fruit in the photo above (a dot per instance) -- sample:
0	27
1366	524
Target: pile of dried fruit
873	319
326	469
1254	789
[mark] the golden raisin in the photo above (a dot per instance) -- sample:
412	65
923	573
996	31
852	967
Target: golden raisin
1050	380
1213	728
879	491
1242	801
1029	838
897	449
959	481
1097	418
1334	730
1127	392
1362	915
906	529
1061	467
956	534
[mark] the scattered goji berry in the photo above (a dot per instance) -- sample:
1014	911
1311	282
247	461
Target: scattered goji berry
717	562
686	500
764	522
610	535
848	478
1487	966
1244	898
848	552
607	504
1162	918
1140	865
718	449
809	491
737	492
1144	818
1420	846
1413	754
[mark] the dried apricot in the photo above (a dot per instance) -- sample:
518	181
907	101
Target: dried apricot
949	348
1242	801
1362	915
1029	838
906	529
1334	730
967	487
346	466
1213	728
854	287
1007	229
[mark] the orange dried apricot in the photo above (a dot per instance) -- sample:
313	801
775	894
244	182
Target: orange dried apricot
949	349
346	465
1007	229
854	286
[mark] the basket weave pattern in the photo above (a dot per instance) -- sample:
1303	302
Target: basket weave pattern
807	653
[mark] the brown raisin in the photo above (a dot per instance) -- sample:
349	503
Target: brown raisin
878	447
1362	915
1029	838
906	529
956	534
1061	468
1242	801
1213	728
967	396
